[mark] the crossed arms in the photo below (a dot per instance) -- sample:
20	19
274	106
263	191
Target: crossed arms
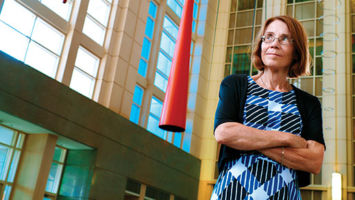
291	150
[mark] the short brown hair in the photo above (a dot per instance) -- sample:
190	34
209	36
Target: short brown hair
300	65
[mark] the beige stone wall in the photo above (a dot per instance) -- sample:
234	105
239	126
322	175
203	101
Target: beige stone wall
203	143
122	57
34	166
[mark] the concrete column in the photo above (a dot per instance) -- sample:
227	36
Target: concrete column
34	166
211	73
335	76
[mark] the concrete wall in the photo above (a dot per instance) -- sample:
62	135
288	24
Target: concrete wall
123	149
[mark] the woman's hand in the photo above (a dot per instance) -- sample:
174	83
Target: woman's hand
296	141
307	159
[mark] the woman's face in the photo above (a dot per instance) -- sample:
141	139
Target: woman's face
278	54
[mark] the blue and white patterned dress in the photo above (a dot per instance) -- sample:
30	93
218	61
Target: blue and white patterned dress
254	176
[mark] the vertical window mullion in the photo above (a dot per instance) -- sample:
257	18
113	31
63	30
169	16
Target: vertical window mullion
10	159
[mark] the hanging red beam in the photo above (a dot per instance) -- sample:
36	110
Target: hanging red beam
173	117
64	1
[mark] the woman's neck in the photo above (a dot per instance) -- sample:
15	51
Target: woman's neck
276	81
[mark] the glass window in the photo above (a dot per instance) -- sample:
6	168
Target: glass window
166	53
161	81
186	143
138	95
170	27
169	137
132	190
230	37
304	11
146	48
142	68
176	6
87	62
319	66
149	28
28	38
154	116
94	30
309	27
10	150
97	19
47	36
48	62
100	10
13	166
164	63
194	16
152	9
137	103
53	178
177	139
7	192
232	19
62	9
153	126
195	11
147	41
167	44
134	116
82	83
84	73
55	173
7	135
247	4
241	60
245	18
156	107
10	15
153	193
243	36
244	25
5	156
13	43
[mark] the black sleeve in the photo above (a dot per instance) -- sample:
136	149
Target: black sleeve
313	128
314	123
228	104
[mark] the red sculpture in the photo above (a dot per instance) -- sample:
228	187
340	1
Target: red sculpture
173	117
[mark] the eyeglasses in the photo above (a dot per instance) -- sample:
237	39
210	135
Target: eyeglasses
283	39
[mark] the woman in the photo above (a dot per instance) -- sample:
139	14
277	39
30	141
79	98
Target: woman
270	131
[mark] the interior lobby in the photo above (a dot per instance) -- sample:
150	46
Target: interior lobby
82	86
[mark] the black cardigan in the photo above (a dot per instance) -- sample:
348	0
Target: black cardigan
232	97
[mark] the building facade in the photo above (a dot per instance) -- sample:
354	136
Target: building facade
82	86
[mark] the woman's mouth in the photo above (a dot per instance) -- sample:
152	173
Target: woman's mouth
273	54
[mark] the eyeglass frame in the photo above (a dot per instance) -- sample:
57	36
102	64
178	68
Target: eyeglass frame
290	40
